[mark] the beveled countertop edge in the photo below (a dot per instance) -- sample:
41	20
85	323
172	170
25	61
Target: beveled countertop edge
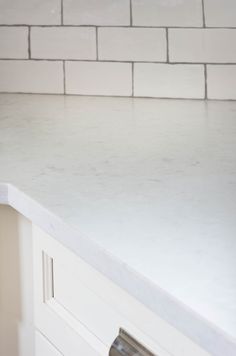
199	330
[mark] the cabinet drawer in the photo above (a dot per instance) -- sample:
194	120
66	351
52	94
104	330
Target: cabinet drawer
92	306
95	308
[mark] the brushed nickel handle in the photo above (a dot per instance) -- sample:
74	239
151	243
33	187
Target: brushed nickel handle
126	345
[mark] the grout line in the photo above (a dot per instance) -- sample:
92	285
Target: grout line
167	46
125	26
131	12
118	61
132	79
62	13
64	77
203	14
205	75
96	43
29	42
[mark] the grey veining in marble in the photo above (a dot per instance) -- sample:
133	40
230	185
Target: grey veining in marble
144	190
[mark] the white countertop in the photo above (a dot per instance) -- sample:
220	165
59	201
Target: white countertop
142	189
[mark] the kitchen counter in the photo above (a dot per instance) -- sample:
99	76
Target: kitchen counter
142	189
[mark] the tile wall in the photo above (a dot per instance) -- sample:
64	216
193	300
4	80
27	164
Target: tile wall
147	48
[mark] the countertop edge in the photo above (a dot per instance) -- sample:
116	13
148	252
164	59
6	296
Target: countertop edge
178	315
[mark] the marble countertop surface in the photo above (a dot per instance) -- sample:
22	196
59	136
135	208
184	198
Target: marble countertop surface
142	189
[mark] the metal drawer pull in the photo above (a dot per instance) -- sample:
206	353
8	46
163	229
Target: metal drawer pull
126	345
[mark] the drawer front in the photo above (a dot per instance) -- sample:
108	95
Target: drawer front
95	308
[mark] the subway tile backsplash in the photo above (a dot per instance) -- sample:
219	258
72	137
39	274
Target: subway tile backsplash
30	12
220	13
96	12
169	81
183	13
63	42
29	76
147	48
14	42
221	82
99	78
132	44
202	45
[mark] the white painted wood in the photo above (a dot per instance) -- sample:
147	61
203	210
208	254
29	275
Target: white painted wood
94	312
65	332
83	297
16	284
43	347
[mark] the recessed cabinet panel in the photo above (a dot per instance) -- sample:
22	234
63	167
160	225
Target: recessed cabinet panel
52	319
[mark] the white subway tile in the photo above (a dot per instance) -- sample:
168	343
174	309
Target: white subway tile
30	12
220	13
221	81
182	13
169	80
31	76
132	44
14	42
63	42
99	78
97	12
202	45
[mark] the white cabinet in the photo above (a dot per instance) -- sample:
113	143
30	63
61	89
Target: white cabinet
64	307
81	312
43	347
